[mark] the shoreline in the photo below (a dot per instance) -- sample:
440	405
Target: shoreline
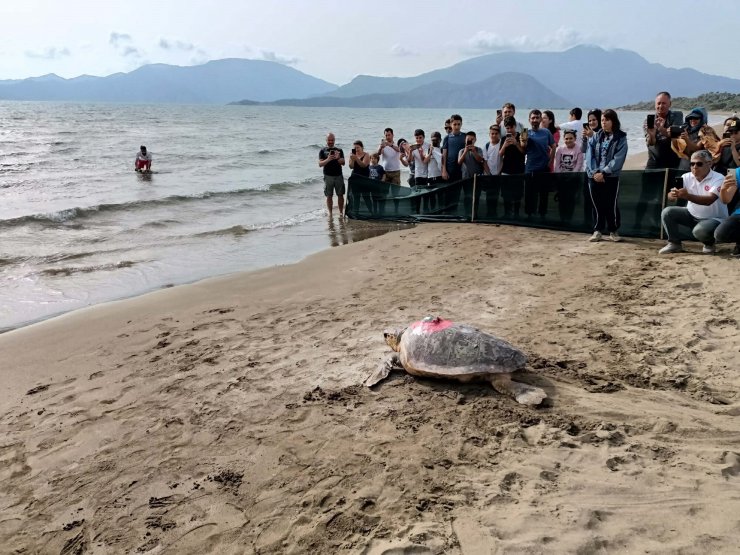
228	414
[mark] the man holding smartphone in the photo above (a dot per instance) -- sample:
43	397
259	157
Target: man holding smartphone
704	210
657	128
331	160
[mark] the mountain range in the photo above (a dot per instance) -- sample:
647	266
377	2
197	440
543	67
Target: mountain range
215	82
489	93
583	76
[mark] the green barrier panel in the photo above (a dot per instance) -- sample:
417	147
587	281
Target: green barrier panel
550	200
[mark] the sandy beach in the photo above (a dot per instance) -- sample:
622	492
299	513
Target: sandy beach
228	416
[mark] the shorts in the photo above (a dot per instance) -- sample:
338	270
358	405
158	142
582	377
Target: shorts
143	164
332	184
393	177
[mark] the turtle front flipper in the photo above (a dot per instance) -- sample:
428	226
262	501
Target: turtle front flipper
521	392
393	363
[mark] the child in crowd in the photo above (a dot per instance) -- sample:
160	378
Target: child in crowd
470	157
376	170
491	152
568	157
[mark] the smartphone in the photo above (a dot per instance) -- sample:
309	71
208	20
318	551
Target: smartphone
354	151
678	182
585	125
508	135
675	131
727	134
651	121
498	113
415	146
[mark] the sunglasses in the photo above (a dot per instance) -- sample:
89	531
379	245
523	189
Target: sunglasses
697	164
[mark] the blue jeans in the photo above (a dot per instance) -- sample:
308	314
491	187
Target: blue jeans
680	224
729	230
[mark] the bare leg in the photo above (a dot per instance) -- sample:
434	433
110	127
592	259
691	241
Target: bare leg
340	203
329	204
520	392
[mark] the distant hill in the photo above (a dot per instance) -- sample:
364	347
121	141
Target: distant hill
717	101
216	82
589	76
490	93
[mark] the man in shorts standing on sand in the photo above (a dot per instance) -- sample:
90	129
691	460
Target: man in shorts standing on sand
331	159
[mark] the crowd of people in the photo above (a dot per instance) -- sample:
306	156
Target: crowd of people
596	146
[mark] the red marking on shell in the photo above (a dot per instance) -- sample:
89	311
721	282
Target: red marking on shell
430	326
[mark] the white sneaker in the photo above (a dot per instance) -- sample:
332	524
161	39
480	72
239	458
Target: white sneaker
614	236
596	237
709	249
670	248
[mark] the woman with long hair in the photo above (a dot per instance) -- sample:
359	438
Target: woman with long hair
548	122
605	156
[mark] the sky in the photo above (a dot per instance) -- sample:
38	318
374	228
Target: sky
337	41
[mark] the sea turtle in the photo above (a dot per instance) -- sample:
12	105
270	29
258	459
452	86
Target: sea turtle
438	348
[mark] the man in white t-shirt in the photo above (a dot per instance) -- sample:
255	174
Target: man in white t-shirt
574	124
704	211
390	157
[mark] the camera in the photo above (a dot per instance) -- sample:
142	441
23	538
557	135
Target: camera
675	131
651	121
354	151
727	134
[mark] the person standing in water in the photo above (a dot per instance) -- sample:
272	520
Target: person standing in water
143	160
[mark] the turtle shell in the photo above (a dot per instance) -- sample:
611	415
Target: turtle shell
437	347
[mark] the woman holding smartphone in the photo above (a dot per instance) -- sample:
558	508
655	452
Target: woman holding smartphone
605	156
359	160
590	128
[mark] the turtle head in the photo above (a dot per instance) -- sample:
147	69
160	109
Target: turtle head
393	337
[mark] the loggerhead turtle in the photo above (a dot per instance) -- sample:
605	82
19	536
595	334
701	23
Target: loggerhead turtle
439	348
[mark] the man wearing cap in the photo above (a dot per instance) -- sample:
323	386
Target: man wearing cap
729	230
143	160
704	211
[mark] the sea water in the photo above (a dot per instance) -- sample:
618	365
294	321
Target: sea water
234	188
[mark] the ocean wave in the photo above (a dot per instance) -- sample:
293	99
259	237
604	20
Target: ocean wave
64	217
239	230
69	270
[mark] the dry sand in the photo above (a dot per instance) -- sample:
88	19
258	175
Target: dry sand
228	416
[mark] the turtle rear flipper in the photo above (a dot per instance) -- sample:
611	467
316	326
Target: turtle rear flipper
393	363
522	393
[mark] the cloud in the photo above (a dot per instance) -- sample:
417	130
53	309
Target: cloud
50	53
271	56
401	51
116	39
484	42
166	44
131	51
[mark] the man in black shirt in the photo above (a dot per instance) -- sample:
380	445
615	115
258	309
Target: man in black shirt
331	159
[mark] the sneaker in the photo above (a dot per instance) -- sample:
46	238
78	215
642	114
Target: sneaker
614	236
708	249
596	237
736	251
671	248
